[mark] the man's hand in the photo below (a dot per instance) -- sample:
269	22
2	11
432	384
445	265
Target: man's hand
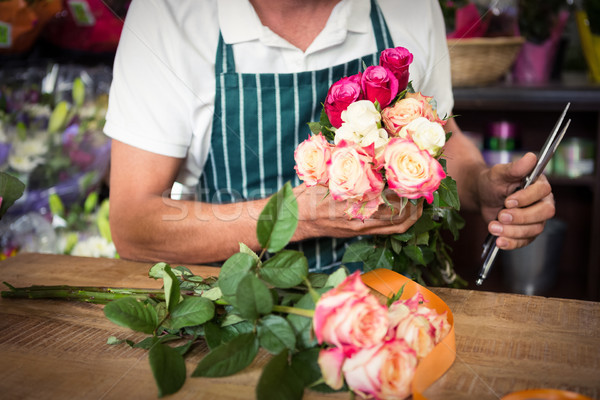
525	211
322	216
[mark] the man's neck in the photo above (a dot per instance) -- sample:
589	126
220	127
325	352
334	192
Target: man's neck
297	21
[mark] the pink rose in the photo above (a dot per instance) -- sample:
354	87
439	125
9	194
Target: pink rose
415	329
363	209
379	84
401	114
411	172
397	60
311	158
416	308
384	371
350	317
428	110
352	174
341	94
330	362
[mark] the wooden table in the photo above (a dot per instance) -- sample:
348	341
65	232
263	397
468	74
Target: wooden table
52	349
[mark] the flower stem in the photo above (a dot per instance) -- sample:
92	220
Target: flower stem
90	294
293	310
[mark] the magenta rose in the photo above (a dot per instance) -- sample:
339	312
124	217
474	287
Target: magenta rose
411	172
384	371
350	317
397	60
341	94
379	84
311	158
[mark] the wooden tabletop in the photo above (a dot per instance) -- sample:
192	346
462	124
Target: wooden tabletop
52	349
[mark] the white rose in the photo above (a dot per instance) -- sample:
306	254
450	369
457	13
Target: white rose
377	136
346	132
429	136
362	116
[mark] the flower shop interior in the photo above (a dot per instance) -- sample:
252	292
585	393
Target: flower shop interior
523	62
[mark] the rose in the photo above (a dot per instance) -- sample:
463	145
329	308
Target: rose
352	174
439	321
397	60
350	317
311	158
361	126
340	95
379	84
411	172
415	329
401	114
428	106
384	371
429	136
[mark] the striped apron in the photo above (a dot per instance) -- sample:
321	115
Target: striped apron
259	121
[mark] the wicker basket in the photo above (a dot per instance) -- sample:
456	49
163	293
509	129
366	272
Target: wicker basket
481	61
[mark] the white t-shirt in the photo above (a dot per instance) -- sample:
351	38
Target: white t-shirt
163	89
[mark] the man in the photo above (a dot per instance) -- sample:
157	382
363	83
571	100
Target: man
215	95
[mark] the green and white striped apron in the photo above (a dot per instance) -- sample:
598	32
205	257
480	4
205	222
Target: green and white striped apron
259	121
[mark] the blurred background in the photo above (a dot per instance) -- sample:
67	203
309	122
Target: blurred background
515	64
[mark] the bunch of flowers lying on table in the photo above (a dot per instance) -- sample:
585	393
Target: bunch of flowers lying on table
377	138
325	332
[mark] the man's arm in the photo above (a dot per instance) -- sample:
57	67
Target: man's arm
147	225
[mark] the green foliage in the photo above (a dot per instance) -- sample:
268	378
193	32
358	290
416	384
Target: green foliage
11	189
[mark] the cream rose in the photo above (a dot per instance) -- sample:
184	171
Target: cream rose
429	136
411	172
311	158
384	371
352	174
350	317
401	114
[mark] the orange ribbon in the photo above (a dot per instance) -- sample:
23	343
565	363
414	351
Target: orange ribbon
439	360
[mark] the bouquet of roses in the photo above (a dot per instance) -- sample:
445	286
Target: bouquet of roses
378	137
324	332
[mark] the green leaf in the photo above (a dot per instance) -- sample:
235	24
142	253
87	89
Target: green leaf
215	335
171	285
192	311
278	380
78	92
253	298
453	221
247	250
370	255
157	270
286	269
11	189
336	278
213	294
315	127
58	118
133	314
317	280
415	253
302	325
275	334
168	368
278	220
449	193
229	358
304	364
91	201
232	272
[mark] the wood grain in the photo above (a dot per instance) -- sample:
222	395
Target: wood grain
52	349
